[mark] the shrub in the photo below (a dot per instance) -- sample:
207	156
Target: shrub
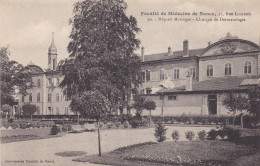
6	124
233	134
212	134
38	124
222	133
160	132
190	135
125	124
23	125
117	124
44	124
55	130
15	125
202	135
109	124
175	135
10	120
135	123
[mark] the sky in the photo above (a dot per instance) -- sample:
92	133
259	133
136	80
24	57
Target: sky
26	26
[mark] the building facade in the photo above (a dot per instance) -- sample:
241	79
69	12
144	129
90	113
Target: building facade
195	81
44	91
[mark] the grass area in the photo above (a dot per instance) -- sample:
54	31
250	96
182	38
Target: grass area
214	152
71	153
26	134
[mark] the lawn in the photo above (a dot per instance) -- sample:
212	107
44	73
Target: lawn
214	152
26	134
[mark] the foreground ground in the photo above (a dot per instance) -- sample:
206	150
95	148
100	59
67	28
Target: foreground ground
44	150
207	152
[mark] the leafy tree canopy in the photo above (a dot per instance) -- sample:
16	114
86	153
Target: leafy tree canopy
14	77
103	40
141	103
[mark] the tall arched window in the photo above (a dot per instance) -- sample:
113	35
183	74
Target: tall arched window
247	67
162	74
38	97
54	64
210	70
228	69
39	83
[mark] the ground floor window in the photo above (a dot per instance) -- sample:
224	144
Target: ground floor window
172	97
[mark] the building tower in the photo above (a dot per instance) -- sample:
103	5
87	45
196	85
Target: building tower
52	55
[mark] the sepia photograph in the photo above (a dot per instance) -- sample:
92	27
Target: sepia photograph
130	83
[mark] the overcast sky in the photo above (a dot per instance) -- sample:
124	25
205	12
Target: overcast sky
26	26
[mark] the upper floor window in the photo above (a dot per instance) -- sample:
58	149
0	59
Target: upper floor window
49	81
66	98
247	67
210	70
38	97
57	97
30	97
49	97
176	73
148	75
38	83
228	69
192	71
162	74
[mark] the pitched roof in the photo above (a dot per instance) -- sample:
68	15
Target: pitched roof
175	54
214	84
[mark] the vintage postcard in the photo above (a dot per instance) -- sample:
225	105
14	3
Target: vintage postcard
130	82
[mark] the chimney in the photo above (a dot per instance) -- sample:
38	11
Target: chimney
189	82
169	51
142	53
209	43
185	48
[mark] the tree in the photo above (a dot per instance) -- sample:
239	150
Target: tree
29	109
13	76
139	104
103	40
6	109
150	105
160	132
236	102
254	101
94	105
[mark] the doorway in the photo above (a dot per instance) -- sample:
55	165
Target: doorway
212	104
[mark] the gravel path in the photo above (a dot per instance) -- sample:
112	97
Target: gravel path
44	150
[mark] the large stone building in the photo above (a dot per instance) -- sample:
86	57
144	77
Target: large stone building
190	81
44	91
195	81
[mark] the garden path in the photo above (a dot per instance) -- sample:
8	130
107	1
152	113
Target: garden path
45	149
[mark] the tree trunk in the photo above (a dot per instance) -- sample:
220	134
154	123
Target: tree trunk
99	142
150	117
242	123
78	117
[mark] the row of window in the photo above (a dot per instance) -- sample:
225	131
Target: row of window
228	69
146	76
49	97
51	112
38	112
50	82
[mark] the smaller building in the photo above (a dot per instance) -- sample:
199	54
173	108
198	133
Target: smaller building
195	81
